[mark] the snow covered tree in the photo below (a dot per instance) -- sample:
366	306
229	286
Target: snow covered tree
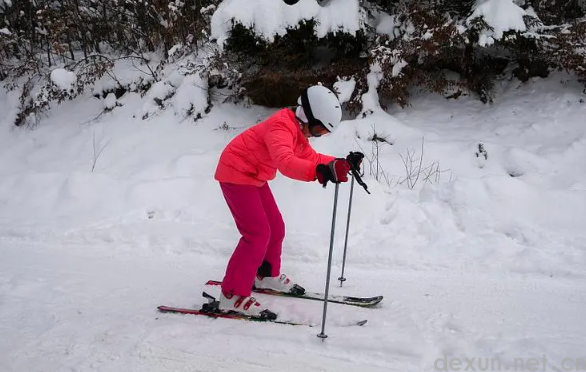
559	11
273	73
268	50
87	37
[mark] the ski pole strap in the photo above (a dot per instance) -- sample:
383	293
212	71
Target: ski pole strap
358	179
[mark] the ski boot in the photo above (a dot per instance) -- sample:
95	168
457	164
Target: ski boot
245	305
279	284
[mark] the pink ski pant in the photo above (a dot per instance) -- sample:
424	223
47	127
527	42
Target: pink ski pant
261	225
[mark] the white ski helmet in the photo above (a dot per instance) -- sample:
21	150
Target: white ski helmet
321	106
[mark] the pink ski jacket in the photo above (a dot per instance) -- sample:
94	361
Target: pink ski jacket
253	157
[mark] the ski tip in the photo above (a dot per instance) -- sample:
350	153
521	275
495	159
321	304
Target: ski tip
374	302
362	322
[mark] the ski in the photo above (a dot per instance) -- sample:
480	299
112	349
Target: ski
212	310
344	300
228	315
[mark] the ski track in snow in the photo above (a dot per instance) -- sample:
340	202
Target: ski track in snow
486	263
67	309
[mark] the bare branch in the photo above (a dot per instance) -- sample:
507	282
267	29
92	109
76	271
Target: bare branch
97	152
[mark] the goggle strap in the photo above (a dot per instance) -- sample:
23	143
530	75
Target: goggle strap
307	109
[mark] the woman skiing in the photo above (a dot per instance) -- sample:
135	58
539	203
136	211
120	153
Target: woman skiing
246	164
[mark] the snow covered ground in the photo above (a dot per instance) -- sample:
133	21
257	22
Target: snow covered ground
486	261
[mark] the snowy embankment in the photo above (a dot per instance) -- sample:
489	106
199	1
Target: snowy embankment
100	221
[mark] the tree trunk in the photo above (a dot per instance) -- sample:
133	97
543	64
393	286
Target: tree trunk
48	51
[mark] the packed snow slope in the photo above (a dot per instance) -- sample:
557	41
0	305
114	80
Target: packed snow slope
104	217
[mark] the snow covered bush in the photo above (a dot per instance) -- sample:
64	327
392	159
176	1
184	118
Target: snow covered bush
58	85
267	51
6	41
568	48
434	45
559	11
90	38
423	44
273	73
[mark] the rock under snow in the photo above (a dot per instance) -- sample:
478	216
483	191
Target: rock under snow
63	79
110	101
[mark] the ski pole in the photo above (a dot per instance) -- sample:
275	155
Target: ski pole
355	177
322	335
341	278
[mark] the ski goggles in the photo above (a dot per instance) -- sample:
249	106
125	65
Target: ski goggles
318	130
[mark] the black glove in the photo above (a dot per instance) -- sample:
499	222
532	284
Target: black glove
355	160
335	171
